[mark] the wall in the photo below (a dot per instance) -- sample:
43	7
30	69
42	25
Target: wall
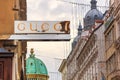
6	16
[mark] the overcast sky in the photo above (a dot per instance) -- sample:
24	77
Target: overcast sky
54	9
48	10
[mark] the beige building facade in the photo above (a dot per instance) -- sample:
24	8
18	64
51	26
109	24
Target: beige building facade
91	59
12	52
112	41
72	65
97	57
86	61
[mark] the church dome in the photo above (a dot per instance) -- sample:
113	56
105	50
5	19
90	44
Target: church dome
35	68
92	15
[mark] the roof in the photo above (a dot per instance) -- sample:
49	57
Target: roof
92	15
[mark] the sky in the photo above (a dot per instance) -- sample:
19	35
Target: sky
48	10
55	10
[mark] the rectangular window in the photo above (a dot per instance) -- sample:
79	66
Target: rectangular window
109	37
111	64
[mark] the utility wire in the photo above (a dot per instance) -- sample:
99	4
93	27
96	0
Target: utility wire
80	3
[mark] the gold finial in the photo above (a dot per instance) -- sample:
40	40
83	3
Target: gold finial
32	51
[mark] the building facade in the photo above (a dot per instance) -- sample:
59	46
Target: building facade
12	52
112	41
72	68
99	57
87	60
17	64
77	46
91	61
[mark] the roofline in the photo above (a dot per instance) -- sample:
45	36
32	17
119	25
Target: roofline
101	21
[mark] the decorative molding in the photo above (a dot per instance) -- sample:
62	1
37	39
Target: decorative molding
15	9
37	76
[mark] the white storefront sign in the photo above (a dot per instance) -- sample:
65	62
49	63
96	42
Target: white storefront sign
42	27
41	30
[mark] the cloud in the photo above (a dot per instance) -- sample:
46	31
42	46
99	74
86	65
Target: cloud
48	10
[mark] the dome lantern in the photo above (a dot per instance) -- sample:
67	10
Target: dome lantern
93	4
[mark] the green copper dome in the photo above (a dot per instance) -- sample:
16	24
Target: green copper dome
35	65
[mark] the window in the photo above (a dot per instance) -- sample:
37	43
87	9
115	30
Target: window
111	66
109	37
88	18
95	17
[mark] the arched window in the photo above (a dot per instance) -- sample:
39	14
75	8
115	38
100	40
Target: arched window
95	17
88	18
